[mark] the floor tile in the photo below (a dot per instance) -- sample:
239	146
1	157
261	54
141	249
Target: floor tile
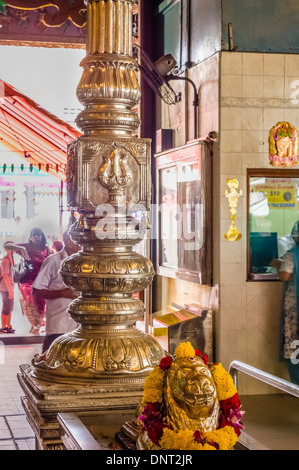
19	427
7	445
273	420
25	444
4	429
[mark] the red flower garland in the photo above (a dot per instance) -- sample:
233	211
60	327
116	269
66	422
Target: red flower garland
154	422
204	358
165	362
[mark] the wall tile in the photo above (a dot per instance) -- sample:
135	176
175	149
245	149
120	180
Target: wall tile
230	118
231	63
252	118
230	297
253	86
274	87
254	160
274	65
233	273
230	252
230	141
231	85
253	64
252	141
292	65
231	163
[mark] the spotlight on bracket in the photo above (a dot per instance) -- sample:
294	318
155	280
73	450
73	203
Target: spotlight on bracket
165	64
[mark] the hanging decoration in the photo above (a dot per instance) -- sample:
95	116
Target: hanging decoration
232	195
12	168
283	145
2	7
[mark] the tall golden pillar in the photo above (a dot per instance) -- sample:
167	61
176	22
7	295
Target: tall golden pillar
103	363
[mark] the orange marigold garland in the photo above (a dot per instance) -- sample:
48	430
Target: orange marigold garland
155	422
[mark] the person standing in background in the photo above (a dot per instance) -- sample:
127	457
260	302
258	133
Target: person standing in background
50	287
36	251
7	291
289	274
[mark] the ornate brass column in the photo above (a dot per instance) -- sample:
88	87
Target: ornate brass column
108	175
106	359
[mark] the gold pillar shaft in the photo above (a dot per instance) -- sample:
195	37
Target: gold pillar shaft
108	175
109	87
110	28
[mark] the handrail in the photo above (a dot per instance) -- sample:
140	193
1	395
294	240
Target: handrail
277	382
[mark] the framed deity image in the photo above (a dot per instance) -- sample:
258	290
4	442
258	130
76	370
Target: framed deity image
183	212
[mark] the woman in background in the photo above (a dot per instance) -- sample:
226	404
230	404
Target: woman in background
289	273
35	251
7	291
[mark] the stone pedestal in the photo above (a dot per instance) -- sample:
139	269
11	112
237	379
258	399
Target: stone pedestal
44	400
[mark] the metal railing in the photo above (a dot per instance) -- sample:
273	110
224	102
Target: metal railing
277	382
247	442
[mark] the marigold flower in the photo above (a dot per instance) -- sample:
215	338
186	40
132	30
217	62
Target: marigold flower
184	350
223	381
225	437
153	386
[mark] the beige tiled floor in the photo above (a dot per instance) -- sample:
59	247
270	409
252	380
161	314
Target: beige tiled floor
272	420
15	432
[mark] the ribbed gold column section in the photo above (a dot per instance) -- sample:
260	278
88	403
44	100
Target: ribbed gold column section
111	28
108	172
109	72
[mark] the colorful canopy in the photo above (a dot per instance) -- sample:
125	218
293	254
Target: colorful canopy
40	135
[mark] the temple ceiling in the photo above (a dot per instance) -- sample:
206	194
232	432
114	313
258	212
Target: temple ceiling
43	23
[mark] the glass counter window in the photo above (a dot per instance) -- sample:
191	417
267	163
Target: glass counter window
273	197
183	213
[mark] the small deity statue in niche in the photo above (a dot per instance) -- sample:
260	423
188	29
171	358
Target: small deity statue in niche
233	195
283	145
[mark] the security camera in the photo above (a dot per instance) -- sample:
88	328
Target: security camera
165	64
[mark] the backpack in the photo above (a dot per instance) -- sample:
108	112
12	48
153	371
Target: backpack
19	270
